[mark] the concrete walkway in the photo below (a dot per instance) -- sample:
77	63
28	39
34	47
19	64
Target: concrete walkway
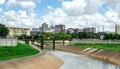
40	61
47	61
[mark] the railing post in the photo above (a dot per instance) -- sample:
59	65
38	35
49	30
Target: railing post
53	44
63	42
41	44
32	42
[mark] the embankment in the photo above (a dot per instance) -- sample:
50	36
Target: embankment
46	61
106	55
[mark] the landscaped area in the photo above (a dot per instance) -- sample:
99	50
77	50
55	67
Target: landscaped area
115	47
21	50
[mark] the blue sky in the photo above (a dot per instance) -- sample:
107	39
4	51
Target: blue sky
72	13
41	8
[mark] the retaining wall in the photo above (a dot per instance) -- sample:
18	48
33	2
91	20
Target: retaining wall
94	41
106	55
8	42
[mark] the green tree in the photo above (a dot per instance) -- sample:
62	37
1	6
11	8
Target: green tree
3	30
109	36
82	35
62	36
116	36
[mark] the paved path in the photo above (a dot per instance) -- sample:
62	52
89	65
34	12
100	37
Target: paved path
39	61
47	61
74	61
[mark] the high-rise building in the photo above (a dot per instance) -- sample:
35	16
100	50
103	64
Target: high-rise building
44	27
60	28
70	30
117	29
77	30
92	30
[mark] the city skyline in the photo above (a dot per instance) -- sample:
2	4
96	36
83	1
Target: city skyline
71	13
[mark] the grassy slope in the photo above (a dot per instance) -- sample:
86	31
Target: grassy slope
100	46
21	50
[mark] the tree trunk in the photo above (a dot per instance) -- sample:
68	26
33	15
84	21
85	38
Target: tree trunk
42	44
53	44
32	42
63	42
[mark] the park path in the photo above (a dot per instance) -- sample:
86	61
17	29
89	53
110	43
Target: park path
40	61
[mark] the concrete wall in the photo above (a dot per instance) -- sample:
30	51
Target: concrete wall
8	42
105	55
94	41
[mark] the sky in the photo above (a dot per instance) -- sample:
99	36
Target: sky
71	13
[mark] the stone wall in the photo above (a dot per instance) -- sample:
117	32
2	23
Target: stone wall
8	42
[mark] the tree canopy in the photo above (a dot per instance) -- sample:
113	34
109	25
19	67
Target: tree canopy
3	30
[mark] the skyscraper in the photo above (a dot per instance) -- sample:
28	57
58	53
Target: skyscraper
117	29
60	28
92	30
44	27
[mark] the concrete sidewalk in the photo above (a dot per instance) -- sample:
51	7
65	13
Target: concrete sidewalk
47	61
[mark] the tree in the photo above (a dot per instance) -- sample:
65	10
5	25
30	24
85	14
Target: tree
62	36
116	36
109	36
3	30
82	35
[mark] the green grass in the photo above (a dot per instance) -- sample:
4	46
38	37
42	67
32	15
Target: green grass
115	47
21	50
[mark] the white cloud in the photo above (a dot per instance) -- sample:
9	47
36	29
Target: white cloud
112	16
1	9
27	4
81	14
2	2
92	6
19	19
50	8
113	1
75	7
74	13
11	3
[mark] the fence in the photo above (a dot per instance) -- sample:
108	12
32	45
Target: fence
8	41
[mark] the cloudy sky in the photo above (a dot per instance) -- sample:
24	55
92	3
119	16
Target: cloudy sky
72	13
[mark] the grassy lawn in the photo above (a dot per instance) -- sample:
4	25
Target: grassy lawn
21	50
115	47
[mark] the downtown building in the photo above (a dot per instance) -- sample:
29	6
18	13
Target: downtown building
74	30
35	31
117	29
70	30
77	30
60	28
90	30
44	27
